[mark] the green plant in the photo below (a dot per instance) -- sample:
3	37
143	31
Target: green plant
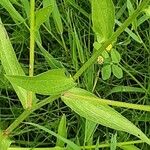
58	82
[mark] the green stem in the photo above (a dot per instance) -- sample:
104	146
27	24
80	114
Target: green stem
111	39
108	145
32	45
119	144
27	112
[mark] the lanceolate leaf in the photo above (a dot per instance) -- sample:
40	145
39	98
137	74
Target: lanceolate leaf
10	63
62	131
12	11
48	83
42	15
103	17
89	107
57	17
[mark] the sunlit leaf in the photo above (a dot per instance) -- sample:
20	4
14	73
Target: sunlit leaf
115	56
48	83
103	18
62	131
42	15
106	72
88	106
10	63
117	71
12	11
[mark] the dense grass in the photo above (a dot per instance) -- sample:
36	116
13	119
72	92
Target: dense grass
67	42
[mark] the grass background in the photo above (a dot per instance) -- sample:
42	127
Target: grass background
135	60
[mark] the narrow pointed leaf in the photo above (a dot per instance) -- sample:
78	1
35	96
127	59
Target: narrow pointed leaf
12	11
103	18
88	106
10	63
62	130
42	15
57	17
127	89
48	83
90	128
79	46
70	143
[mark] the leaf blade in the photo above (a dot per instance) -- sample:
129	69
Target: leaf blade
51	82
82	103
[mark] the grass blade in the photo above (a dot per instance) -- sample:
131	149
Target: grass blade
12	11
71	144
125	89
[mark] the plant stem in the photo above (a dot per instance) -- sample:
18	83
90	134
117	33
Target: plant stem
27	112
119	144
32	45
111	39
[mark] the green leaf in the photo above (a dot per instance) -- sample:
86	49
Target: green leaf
4	141
127	89
97	45
53	62
42	15
90	128
10	63
88	106
12	11
103	18
115	56
57	17
113	144
62	131
131	10
51	82
129	147
26	7
79	46
147	11
131	33
106	72
47	22
70	143
117	71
